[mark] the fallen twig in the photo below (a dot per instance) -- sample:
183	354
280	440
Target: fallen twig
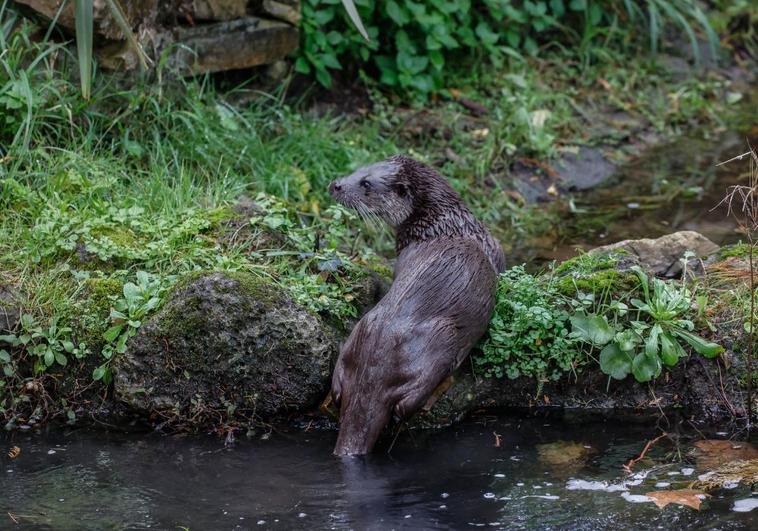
630	464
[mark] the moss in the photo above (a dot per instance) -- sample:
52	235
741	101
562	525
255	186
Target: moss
591	262
607	280
94	308
254	286
218	215
738	250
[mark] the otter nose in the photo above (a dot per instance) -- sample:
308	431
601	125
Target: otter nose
334	187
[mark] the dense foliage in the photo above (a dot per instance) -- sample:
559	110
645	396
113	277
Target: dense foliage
413	43
541	329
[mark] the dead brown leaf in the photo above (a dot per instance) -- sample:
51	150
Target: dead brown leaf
603	83
710	453
689	497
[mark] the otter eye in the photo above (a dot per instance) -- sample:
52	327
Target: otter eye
365	184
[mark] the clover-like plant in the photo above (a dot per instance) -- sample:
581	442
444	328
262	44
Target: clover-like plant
649	341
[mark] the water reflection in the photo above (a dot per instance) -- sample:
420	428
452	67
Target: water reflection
546	474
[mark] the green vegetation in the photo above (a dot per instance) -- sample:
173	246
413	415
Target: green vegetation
107	204
540	330
414	44
529	332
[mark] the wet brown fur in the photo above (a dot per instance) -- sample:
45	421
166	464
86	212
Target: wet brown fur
436	310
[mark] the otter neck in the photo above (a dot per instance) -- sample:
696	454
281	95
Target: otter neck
438	213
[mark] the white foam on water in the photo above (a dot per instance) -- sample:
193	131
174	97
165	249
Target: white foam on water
582	484
543	496
745	506
499	475
301	515
489	495
519	484
687	471
675	473
444	495
261	522
662	484
635	498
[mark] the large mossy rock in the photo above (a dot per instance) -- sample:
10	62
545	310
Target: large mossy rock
226	349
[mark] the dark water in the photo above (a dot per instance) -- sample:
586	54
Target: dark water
449	479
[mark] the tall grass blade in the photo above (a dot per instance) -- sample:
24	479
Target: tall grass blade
676	15
120	18
84	31
352	12
654	16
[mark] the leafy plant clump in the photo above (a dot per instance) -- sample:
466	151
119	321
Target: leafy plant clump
529	334
411	43
643	344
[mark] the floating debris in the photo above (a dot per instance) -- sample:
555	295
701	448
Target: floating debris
635	498
729	475
689	497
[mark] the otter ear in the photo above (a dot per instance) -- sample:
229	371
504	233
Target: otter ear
400	189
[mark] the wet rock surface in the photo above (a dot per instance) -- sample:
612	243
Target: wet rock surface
255	41
225	347
662	255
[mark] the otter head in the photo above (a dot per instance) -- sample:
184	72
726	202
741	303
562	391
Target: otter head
377	190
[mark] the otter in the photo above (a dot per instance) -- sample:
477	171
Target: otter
437	308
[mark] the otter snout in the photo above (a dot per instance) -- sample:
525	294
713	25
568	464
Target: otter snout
335	187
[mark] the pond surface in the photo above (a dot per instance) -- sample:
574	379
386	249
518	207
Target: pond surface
538	478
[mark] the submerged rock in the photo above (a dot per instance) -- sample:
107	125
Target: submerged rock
661	255
225	348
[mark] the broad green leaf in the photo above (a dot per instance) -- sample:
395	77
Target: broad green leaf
627	340
112	333
614	362
671	350
10	339
49	357
4	356
27	322
645	367
68	346
61	359
701	346
98	373
651	345
592	328
131	291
